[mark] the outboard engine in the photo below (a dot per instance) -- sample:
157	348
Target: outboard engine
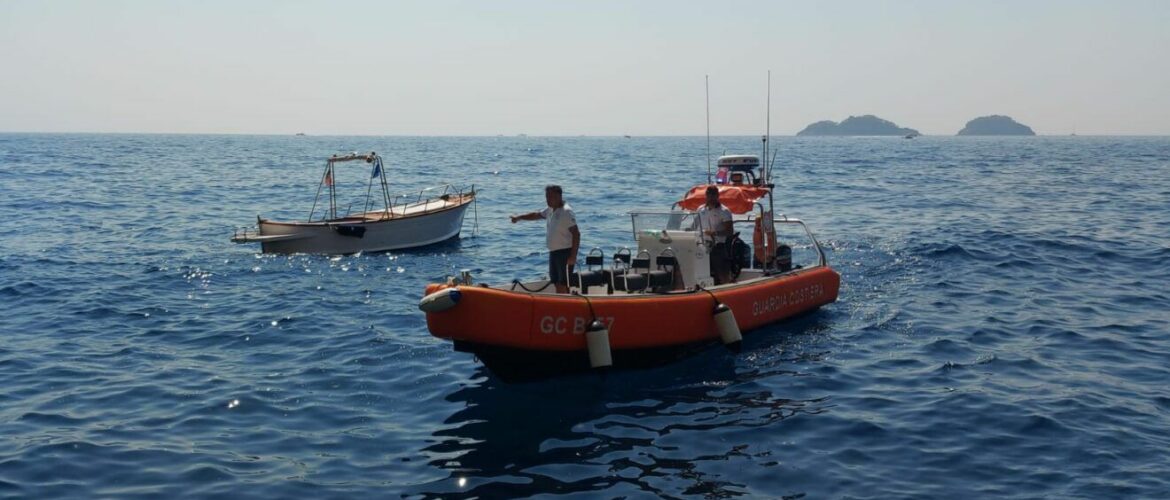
741	255
784	258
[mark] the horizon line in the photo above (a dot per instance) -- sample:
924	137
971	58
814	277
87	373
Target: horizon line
522	135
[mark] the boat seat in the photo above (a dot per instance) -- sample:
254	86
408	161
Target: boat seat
608	276
593	275
619	267
659	278
637	278
587	279
663	277
631	282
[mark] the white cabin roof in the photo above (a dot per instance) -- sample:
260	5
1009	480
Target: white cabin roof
739	161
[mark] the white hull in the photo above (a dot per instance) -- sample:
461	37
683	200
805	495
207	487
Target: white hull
417	226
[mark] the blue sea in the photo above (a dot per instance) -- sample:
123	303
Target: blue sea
1003	328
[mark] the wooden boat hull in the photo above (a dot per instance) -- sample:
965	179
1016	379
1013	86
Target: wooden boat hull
362	235
517	326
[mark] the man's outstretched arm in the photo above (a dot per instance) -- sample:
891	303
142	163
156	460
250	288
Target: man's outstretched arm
527	216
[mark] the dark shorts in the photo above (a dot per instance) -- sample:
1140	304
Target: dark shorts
720	264
557	259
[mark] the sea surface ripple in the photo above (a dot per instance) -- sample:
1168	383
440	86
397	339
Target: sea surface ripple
1003	328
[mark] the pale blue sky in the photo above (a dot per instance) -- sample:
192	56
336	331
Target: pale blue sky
590	67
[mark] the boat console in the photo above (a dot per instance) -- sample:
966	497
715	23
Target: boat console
670	256
675	239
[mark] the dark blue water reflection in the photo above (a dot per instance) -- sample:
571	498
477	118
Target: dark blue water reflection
1002	329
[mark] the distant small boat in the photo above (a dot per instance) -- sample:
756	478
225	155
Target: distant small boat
626	136
910	136
300	134
429	216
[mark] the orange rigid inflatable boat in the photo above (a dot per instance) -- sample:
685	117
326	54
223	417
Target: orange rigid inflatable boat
517	333
641	306
544	322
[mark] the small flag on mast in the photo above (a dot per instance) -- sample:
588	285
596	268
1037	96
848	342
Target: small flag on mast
329	177
377	170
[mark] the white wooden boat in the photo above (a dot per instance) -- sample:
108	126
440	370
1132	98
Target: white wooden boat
430	216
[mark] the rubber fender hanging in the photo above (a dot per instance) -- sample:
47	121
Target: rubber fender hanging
597	341
728	329
440	301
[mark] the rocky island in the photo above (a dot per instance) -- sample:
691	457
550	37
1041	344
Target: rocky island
857	125
995	125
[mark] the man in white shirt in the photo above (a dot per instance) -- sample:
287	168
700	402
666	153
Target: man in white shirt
563	238
716	222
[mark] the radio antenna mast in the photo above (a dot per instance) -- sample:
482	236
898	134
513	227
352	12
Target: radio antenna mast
707	91
768	126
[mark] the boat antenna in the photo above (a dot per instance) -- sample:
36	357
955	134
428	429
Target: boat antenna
768	169
707	91
768	127
773	162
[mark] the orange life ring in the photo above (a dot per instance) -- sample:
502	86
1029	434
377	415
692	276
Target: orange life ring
759	236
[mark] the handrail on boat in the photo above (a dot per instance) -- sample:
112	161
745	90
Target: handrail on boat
447	189
821	260
366	157
379	174
783	219
404	199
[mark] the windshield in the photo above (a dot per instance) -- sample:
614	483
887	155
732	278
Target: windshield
658	221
